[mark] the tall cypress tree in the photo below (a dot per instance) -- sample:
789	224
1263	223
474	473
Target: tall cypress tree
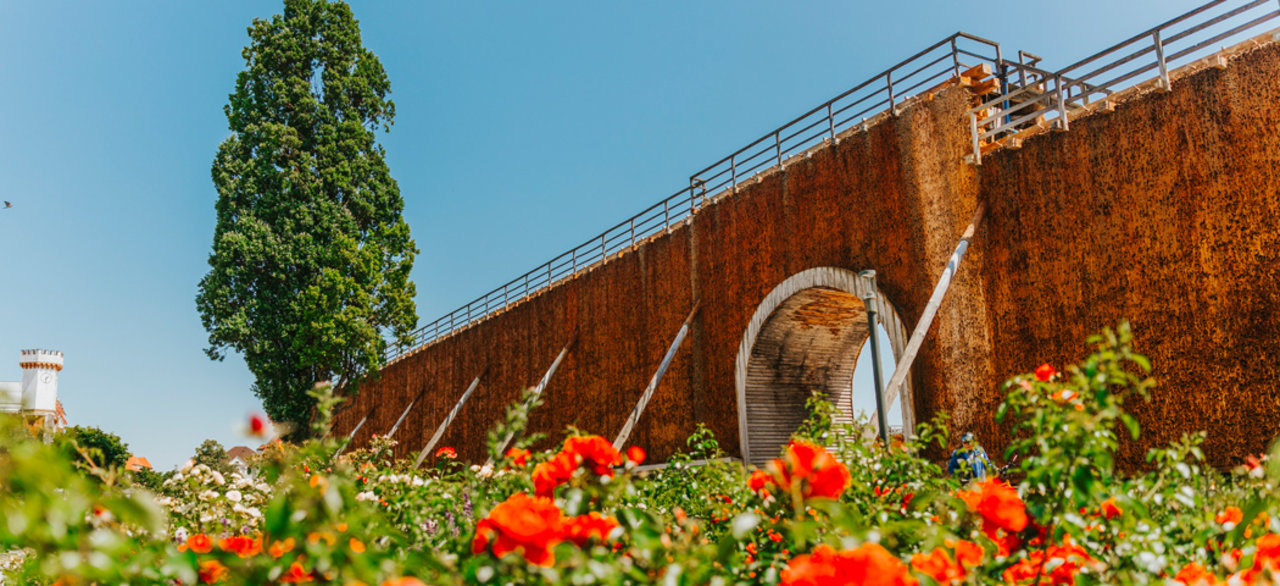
311	257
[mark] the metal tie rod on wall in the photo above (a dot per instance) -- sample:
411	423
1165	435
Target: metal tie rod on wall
931	310
653	382
352	435
402	416
448	419
537	392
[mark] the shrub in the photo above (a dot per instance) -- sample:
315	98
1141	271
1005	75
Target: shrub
835	505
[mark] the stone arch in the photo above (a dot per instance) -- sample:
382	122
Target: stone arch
807	333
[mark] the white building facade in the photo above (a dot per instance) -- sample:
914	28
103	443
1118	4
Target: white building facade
35	398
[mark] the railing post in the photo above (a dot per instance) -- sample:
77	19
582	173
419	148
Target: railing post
666	218
1164	68
777	146
973	128
733	170
633	231
526	285
1063	123
955	57
575	261
548	274
831	124
888	79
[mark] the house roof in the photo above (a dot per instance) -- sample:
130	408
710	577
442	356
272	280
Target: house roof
241	452
136	463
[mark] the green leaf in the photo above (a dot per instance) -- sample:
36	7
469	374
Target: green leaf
1131	423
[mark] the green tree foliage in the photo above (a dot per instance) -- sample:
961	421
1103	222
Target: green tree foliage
212	454
311	257
106	449
150	479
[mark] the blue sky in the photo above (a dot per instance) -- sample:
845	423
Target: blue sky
523	128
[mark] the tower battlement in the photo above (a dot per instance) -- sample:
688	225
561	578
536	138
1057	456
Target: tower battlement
40	359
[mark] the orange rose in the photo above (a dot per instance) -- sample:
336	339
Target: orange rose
868	565
1110	509
1194	574
552	473
595	453
938	565
212	572
241	545
1232	515
818	473
582	529
1267	557
530	526
296	574
592	452
447	452
199	543
636	455
404	581
518	456
758	481
997	503
280	548
968	553
1056	565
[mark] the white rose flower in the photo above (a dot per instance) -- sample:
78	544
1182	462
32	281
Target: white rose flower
233	496
217	477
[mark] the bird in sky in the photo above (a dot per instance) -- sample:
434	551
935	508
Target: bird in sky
7	205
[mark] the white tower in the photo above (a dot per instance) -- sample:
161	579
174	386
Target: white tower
40	382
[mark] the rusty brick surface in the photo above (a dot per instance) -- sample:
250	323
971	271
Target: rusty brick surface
868	202
1164	212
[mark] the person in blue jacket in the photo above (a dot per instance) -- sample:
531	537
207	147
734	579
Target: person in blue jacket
969	461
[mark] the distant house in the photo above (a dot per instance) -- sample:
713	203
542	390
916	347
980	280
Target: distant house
137	463
239	457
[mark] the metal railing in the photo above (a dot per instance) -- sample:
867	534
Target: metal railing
1040	97
882	93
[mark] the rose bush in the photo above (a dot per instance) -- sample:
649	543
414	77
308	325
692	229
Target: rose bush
835	507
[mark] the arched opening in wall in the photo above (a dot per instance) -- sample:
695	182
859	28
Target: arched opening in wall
811	334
